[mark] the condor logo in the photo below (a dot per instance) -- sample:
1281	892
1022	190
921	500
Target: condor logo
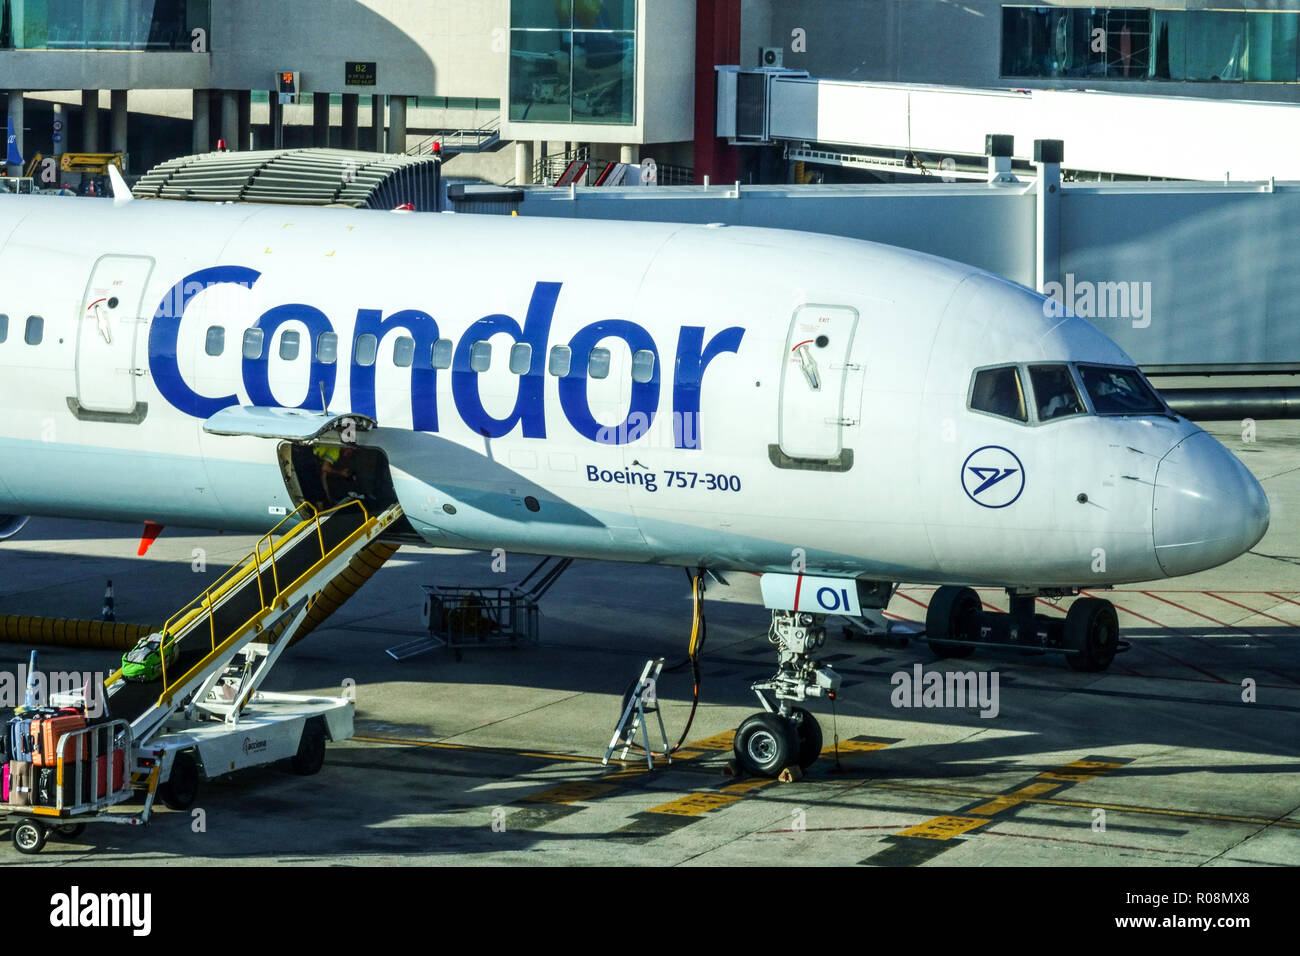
993	476
253	746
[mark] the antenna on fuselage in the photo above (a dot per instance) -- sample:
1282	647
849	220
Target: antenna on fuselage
324	405
121	191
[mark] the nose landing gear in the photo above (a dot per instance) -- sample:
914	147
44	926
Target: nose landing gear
783	735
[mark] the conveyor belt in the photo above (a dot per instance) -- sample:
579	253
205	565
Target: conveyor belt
237	601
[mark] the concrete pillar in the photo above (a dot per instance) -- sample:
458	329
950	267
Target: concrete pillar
629	154
320	119
351	102
276	117
230	119
117	127
397	124
200	133
377	123
90	121
523	162
16	114
245	98
1048	156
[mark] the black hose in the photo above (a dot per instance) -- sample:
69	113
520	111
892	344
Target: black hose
699	630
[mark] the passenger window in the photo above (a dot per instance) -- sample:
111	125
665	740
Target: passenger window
480	356
598	363
289	346
4	327
366	349
253	343
521	358
561	359
35	330
643	365
404	352
443	349
998	391
1054	393
327	348
215	343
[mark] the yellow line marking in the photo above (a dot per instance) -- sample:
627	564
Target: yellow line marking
1008	800
1078	771
627	774
722	741
695	804
944	828
745	786
854	746
568	793
685	754
1119	807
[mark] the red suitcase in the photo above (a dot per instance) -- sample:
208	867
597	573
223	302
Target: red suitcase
119	770
46	731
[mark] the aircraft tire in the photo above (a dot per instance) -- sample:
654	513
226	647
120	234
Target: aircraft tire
1092	629
808	734
765	744
948	609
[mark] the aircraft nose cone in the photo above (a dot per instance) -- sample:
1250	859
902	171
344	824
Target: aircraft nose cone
1207	508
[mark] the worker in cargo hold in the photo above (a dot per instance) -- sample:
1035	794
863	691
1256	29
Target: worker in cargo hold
335	463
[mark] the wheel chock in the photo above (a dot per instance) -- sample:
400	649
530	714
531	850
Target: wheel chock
790	774
731	769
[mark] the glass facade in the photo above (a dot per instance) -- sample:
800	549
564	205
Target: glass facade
1129	43
573	61
102	24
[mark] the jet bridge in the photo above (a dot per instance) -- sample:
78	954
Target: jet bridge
892	126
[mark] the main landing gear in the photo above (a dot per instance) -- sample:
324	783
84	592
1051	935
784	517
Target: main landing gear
956	623
786	735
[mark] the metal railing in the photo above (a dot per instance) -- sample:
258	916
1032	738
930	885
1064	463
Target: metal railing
461	140
261	559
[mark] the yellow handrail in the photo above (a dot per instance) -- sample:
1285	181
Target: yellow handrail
253	565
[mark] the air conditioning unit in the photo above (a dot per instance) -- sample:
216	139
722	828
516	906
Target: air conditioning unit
772	57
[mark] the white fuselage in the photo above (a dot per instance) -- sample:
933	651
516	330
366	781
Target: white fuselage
771	397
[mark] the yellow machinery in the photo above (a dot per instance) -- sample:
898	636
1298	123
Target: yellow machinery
97	163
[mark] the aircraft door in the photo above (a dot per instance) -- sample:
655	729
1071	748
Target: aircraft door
816	382
106	333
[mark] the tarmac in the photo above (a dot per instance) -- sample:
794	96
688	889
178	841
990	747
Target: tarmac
1186	752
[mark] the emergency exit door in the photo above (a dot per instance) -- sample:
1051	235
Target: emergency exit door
820	390
107	329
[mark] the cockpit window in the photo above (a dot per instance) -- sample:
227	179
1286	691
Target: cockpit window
1119	391
998	391
1054	393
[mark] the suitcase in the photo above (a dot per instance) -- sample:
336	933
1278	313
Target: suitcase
47	779
47	730
20	740
4	786
103	784
20	784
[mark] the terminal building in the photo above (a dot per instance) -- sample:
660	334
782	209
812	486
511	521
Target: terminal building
519	87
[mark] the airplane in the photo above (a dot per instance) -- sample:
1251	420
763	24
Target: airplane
836	416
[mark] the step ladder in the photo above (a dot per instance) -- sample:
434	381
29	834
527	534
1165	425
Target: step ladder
267	598
643	700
